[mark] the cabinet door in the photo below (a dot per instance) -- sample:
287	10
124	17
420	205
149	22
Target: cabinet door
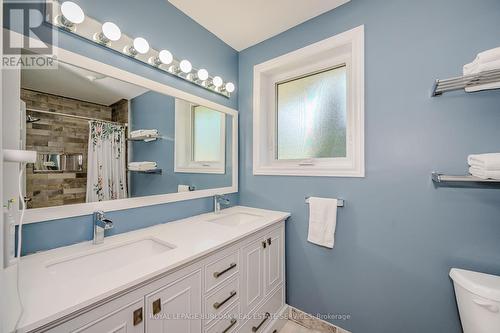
129	319
176	307
274	260
252	275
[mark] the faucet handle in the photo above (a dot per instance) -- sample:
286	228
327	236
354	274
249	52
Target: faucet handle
102	221
108	224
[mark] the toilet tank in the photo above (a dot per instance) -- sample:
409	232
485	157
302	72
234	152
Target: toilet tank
478	298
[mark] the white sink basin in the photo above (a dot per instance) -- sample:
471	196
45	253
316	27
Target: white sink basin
235	219
105	259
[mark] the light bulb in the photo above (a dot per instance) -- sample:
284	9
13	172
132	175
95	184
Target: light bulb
217	81
202	74
230	87
185	66
111	31
141	45
72	12
165	57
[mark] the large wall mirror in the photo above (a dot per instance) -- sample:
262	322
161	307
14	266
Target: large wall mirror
108	139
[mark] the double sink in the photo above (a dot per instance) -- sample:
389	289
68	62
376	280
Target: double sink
105	259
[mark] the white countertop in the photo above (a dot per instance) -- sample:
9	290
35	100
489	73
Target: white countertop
47	296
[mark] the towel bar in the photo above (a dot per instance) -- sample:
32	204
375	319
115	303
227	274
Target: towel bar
340	202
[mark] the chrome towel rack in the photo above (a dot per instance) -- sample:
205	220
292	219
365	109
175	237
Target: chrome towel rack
340	202
465	81
442	178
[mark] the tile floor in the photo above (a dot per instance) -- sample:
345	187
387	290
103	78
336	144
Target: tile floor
291	327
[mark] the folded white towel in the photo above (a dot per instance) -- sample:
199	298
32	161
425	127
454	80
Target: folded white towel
488	55
484	174
322	221
142	166
142	163
148	168
483	58
143	132
490	162
488	86
475	68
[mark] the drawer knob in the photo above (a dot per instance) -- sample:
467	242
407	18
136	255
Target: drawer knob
157	306
233	322
256	328
217	274
264	245
269	241
137	317
219	304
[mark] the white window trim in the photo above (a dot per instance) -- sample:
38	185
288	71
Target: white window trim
345	48
184	150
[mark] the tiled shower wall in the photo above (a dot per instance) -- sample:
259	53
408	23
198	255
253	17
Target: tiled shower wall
58	134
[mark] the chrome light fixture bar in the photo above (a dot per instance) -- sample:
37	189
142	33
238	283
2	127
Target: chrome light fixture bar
71	17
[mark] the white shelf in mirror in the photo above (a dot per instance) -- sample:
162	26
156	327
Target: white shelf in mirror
145	138
154	171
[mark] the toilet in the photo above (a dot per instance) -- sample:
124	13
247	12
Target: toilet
478	298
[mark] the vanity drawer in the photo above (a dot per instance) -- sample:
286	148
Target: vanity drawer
221	299
229	322
221	268
265	314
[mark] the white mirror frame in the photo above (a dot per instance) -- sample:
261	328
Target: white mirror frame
58	212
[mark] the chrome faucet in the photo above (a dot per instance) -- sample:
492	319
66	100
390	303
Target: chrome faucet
100	224
218	201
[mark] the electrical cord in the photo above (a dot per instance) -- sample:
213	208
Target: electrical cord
19	243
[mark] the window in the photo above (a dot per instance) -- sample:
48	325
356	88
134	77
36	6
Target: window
207	131
309	110
311	113
200	139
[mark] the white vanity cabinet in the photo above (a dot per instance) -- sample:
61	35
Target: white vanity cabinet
263	263
239	288
169	309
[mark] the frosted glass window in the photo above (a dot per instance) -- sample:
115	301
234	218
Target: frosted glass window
311	116
207	134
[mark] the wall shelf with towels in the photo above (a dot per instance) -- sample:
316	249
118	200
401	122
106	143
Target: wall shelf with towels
442	178
154	171
466	81
340	202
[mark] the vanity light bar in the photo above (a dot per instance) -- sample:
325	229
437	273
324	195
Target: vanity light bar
71	18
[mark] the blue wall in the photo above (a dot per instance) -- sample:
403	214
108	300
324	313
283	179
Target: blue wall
163	26
154	110
398	235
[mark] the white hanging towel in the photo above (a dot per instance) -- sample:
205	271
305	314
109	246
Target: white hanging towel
322	221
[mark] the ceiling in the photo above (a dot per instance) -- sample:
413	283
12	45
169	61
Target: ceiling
243	23
75	82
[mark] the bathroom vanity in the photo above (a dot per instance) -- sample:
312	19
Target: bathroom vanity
209	273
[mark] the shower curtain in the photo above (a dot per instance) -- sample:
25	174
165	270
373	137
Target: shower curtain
106	166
